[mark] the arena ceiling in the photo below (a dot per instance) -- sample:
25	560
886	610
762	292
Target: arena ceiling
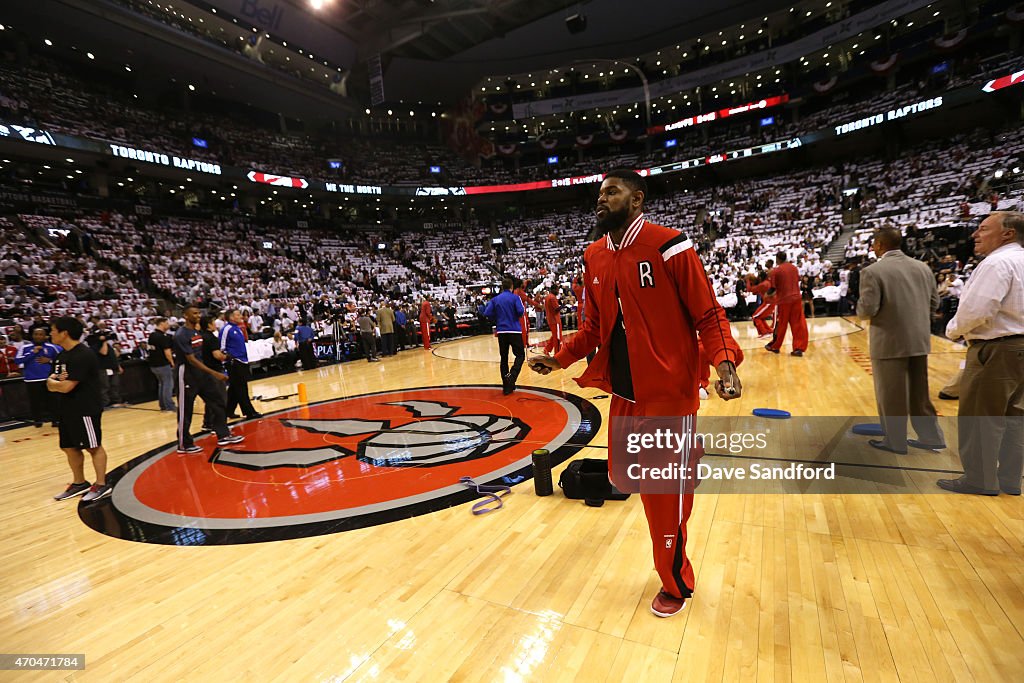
432	50
438	49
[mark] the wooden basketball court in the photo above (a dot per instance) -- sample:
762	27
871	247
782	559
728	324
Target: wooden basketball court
789	587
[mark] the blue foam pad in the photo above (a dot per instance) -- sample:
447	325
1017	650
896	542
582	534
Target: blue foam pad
773	413
868	429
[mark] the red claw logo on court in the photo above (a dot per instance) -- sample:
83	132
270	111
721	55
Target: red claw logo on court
341	465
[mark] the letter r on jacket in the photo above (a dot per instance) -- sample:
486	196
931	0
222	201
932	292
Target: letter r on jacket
646	274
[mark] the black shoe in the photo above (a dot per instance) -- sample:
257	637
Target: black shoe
206	427
797	353
97	491
73	490
880	445
1010	492
254	416
914	443
946	397
961	486
768	347
37	425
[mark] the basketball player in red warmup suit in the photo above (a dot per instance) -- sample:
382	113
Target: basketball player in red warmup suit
527	301
426	316
789	312
648	278
554	316
767	308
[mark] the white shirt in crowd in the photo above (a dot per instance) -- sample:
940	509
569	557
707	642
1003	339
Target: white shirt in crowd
992	301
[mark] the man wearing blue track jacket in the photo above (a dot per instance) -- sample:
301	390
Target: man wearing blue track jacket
232	342
507	310
36	361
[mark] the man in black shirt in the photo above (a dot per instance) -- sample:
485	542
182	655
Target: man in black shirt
160	363
104	343
76	377
213	358
195	379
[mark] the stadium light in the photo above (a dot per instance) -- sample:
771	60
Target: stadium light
49	43
643	79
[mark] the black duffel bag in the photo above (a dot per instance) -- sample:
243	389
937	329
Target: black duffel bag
587	479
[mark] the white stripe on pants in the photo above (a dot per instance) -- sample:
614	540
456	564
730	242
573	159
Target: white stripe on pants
90	432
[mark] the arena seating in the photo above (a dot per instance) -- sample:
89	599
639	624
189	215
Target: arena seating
121	263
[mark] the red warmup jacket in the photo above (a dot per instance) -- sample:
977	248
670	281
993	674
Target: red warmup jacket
665	297
425	312
577	291
526	299
785	278
762	288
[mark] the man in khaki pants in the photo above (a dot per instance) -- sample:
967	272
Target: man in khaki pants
991	318
898	294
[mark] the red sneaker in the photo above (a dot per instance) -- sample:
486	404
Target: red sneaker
665	605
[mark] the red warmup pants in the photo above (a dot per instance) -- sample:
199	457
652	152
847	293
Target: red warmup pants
425	333
554	342
524	324
790	315
666	513
760	318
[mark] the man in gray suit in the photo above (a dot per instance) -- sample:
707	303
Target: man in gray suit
898	294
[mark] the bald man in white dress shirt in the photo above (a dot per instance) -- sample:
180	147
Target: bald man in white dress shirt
991	318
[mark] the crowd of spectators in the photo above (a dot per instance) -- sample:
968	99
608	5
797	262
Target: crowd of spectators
126	269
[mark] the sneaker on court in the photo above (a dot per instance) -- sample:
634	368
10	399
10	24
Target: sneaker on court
797	353
665	605
190	450
73	490
231	439
768	347
97	491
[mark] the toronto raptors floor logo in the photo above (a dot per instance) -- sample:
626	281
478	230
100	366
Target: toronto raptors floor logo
340	465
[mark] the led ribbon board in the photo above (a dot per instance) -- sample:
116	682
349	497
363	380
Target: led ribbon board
277	180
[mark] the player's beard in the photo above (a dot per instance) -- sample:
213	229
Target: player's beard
612	220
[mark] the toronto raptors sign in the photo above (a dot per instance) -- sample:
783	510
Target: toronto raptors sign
340	465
